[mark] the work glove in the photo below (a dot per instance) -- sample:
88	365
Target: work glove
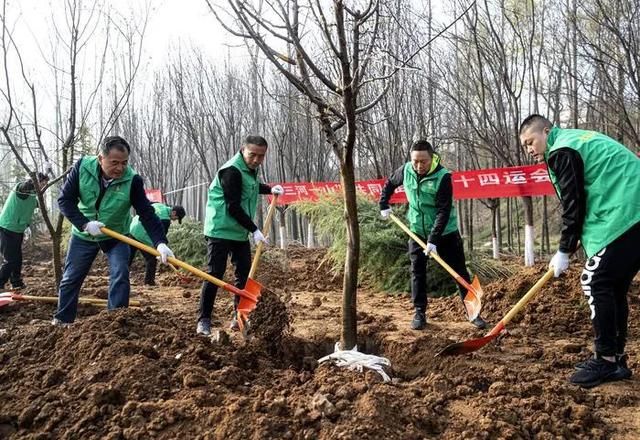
430	248
165	252
259	237
560	263
277	190
385	213
93	228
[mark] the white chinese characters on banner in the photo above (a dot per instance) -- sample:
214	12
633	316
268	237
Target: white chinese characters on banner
465	180
540	176
515	177
488	179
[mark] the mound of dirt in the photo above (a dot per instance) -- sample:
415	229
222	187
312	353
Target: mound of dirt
269	321
298	268
143	373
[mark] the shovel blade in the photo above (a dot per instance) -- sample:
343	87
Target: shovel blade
5	301
253	287
472	301
471	345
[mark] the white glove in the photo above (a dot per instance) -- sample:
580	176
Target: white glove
277	190
430	248
93	228
385	213
560	263
258	237
165	252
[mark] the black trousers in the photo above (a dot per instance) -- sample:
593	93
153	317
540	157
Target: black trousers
11	249
218	251
605	281
451	250
150	264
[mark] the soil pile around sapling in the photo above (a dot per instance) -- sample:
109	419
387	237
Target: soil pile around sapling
270	320
143	373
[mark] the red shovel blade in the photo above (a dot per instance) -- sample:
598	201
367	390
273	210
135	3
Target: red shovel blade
471	344
246	305
472	302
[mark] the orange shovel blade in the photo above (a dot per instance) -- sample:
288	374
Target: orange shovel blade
6	298
472	302
247	305
472	344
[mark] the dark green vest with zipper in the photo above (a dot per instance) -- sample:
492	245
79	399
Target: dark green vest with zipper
421	194
17	213
611	184
138	231
116	202
218	222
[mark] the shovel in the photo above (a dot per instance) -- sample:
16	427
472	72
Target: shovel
248	297
9	297
476	344
471	300
256	258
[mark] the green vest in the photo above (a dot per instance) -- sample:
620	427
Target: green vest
16	212
115	204
138	231
422	201
218	222
611	184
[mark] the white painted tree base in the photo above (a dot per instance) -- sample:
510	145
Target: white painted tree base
283	237
529	259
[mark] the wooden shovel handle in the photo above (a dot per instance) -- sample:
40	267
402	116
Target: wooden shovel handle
54	299
197	272
433	255
266	227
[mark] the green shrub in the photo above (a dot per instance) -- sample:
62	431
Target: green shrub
384	260
187	241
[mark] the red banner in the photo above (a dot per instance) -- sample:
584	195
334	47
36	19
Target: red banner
154	195
530	180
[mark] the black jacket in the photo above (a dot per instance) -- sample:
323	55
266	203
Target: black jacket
231	182
70	196
567	165
444	200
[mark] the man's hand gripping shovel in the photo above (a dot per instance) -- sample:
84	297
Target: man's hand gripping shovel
241	316
248	296
472	302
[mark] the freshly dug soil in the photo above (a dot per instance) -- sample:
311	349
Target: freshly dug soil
143	373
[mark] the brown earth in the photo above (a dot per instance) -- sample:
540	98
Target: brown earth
142	373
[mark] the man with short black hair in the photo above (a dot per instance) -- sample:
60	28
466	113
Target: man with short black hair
598	182
166	214
231	206
432	216
15	218
100	191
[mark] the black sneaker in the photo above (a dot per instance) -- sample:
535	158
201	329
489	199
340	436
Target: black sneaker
594	372
419	320
479	322
623	371
204	327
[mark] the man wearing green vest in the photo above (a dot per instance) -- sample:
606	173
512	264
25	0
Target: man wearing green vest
100	191
231	206
136	230
598	182
14	220
433	218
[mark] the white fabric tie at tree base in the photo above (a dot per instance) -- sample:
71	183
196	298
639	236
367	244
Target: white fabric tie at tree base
354	360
